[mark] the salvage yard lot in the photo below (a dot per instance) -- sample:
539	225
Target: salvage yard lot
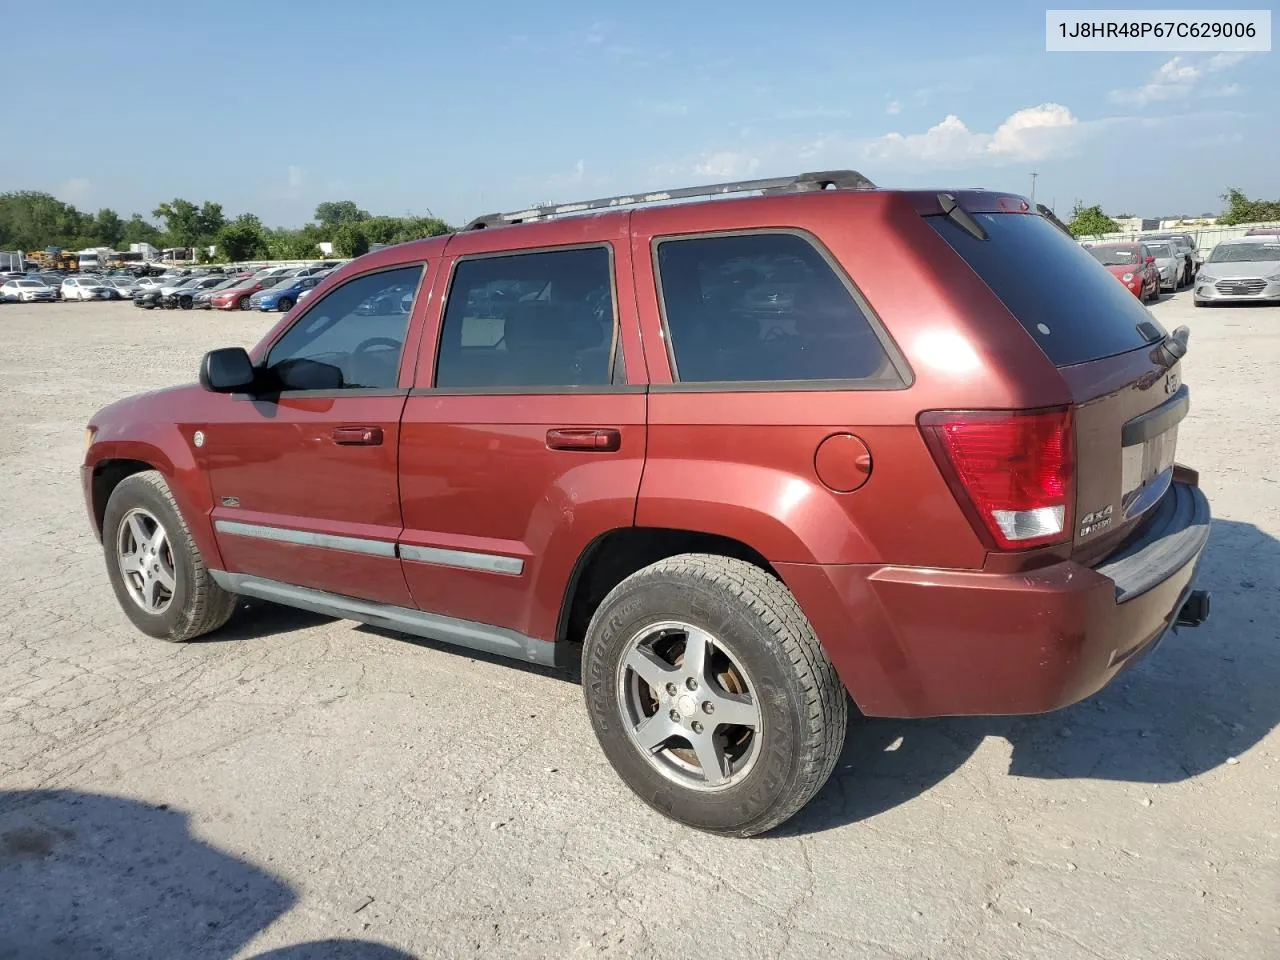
292	778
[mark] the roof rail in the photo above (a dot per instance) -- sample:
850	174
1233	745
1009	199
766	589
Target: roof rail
800	183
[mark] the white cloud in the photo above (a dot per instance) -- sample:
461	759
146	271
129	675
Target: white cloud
76	190
1178	78
727	163
893	107
1031	134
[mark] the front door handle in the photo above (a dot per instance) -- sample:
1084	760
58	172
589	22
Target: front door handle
599	439
357	436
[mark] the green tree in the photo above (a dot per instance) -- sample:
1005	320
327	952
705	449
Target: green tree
109	228
333	213
181	222
210	220
350	240
137	230
416	228
1090	221
242	239
1240	209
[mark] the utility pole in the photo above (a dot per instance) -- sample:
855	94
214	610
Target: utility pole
1034	174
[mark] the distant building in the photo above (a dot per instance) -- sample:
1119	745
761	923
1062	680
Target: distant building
1137	224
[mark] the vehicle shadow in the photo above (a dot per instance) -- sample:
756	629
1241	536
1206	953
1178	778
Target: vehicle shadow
1206	696
85	874
570	673
255	619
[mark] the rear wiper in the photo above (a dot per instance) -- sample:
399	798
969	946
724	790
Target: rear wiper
1173	348
960	216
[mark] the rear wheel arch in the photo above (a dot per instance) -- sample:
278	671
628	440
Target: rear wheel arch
616	554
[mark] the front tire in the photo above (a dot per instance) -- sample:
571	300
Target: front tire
710	694
185	303
158	574
243	303
285	305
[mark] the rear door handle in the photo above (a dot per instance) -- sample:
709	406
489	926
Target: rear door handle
600	439
357	436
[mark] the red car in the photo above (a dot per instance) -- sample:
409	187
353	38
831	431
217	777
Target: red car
237	298
747	458
1133	265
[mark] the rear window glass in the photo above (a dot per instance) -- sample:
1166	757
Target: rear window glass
1071	305
764	307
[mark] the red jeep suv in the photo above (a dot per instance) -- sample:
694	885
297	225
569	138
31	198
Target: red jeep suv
741	456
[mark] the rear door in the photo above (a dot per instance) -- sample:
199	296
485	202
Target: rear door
1102	340
524	438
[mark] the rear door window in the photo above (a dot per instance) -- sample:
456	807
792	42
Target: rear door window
1070	305
764	308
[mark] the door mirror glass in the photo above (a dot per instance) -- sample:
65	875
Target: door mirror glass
302	373
228	370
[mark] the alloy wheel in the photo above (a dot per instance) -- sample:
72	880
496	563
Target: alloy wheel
146	561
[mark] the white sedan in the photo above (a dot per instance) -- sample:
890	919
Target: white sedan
27	291
84	288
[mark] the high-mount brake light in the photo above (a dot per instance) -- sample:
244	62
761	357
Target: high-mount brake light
1014	469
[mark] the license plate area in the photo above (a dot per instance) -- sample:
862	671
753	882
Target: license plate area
1146	472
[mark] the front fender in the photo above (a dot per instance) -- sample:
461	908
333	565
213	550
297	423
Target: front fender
169	451
784	517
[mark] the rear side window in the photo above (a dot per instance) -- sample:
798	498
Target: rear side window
764	307
1072	306
529	320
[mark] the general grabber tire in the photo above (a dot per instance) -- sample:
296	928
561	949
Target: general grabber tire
710	694
155	567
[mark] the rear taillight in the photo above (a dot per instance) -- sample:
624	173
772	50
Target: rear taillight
1014	470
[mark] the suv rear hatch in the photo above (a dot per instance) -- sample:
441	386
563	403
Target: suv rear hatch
1126	390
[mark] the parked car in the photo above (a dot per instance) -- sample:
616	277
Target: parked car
1170	263
283	295
50	279
84	288
122	288
1190	252
1238	270
26	291
204	297
1132	264
183	295
1262	232
733	503
238	297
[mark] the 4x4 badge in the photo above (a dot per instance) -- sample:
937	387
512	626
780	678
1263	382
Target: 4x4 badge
1093	522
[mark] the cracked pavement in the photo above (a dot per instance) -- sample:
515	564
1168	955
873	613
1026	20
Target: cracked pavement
295	786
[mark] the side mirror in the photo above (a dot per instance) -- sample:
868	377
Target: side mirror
228	370
1150	260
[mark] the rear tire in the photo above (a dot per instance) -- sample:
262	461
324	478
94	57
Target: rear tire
185	303
763	664
156	569
285	305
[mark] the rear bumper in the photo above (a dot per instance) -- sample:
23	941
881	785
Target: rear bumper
911	642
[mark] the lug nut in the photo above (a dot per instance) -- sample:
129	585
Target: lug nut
691	683
674	715
697	727
708	706
671	689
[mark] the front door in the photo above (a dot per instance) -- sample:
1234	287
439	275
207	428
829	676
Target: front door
528	442
304	478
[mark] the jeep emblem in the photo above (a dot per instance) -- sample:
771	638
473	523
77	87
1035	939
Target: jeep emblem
198	438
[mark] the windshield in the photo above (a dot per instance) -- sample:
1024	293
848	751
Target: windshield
1099	319
1160	249
1115	256
1243	252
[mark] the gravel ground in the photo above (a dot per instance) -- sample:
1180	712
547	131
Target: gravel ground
300	787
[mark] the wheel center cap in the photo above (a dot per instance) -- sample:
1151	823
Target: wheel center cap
687	706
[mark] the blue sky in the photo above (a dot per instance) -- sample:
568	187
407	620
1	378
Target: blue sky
461	108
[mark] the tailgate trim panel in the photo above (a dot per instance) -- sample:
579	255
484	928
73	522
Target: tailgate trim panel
1157	420
1172	538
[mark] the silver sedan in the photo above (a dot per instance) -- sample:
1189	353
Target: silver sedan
1247	269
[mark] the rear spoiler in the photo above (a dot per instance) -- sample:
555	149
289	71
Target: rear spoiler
1049	215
